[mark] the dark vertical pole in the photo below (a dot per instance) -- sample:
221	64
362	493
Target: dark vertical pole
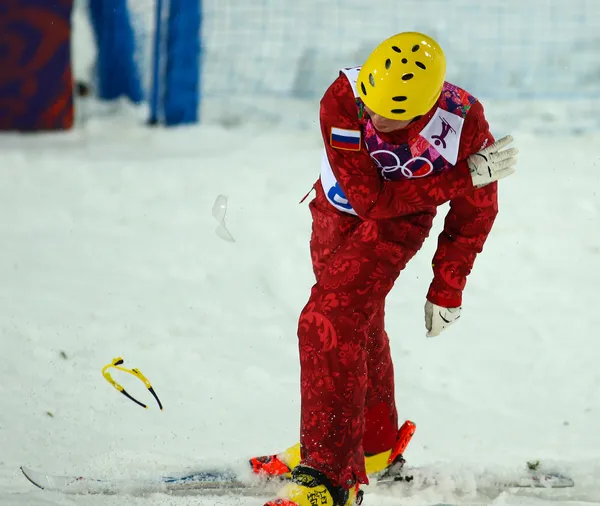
155	86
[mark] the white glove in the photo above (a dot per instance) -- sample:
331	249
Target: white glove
492	163
438	318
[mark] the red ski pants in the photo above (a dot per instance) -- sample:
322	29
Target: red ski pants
347	377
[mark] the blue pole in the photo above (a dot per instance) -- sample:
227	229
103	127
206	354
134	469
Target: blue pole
200	56
182	70
117	72
155	89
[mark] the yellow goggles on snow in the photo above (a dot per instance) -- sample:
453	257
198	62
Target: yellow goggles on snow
117	364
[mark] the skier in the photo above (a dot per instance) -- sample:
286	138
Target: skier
399	142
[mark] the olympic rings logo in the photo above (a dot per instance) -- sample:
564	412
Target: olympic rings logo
404	169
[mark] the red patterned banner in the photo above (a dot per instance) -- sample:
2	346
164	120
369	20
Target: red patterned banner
35	69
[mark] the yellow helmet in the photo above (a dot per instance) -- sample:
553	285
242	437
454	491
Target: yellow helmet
403	77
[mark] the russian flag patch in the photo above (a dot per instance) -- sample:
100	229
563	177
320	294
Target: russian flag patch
345	139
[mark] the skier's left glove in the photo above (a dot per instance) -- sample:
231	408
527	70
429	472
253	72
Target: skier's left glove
493	163
438	318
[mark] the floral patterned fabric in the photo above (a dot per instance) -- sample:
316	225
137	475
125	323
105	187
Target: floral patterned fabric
347	378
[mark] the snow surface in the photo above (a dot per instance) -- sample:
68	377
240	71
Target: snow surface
109	249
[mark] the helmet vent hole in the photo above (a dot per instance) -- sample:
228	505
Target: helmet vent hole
362	87
399	99
421	65
398	111
388	63
407	77
404	60
397	49
371	80
415	48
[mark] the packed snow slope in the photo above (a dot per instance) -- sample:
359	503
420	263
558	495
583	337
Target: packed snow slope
109	249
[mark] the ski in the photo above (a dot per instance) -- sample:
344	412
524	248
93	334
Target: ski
421	478
212	482
228	482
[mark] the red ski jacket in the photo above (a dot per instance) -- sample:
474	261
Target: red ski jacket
472	210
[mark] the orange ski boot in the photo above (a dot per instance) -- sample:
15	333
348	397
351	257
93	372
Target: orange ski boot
390	463
385	463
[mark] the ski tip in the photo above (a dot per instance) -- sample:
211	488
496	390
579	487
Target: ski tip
27	473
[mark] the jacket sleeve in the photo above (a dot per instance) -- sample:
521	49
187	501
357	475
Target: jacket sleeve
467	224
359	179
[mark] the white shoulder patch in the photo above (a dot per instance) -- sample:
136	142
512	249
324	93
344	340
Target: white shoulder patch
352	75
443	133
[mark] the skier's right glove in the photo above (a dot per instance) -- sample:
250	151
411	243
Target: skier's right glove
493	163
438	318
